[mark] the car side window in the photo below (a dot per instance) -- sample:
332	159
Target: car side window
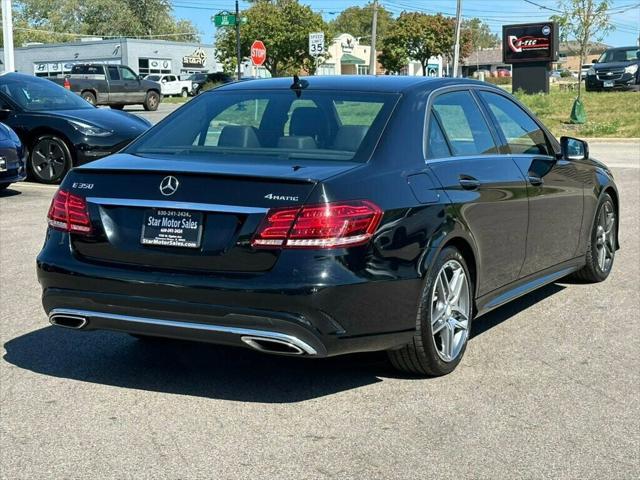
127	74
463	124
436	143
522	133
113	73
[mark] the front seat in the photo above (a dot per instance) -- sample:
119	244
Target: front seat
310	122
238	136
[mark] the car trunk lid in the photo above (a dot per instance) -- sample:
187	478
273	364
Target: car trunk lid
137	223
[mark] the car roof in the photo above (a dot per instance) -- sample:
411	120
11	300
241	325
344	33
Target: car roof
362	83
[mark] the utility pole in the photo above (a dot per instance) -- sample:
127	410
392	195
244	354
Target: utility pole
373	58
7	36
456	50
238	56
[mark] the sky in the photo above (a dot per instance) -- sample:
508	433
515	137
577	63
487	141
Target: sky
625	14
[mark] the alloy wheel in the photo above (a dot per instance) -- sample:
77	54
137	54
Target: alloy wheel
450	311
48	159
605	237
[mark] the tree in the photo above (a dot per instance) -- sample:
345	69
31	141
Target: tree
418	37
480	34
357	21
283	26
584	21
34	20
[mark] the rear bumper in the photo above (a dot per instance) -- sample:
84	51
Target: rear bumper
355	316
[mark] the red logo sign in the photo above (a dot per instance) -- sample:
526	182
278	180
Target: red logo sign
520	44
258	53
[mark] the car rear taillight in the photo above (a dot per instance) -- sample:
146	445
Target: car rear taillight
69	213
329	225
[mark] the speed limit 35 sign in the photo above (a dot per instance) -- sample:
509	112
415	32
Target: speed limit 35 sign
316	43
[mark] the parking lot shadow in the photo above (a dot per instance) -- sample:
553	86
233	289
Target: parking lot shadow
9	192
212	371
190	368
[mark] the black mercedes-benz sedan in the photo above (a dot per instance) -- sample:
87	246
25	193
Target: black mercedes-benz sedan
328	216
58	128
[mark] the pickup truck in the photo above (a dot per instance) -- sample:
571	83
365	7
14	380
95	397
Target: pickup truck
113	85
617	68
171	84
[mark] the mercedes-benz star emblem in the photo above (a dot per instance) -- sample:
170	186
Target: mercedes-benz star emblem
169	185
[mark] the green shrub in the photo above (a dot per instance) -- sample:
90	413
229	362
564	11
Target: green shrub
498	80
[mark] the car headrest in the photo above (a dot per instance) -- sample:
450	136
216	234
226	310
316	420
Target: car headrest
309	122
297	142
238	136
349	137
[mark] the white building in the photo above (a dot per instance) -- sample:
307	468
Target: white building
142	55
349	57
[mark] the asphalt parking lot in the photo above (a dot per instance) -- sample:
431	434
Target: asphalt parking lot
548	388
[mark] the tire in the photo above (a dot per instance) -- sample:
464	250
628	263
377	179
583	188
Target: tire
89	97
184	93
601	248
426	354
49	159
152	101
117	107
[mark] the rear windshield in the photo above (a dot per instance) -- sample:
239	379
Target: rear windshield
327	125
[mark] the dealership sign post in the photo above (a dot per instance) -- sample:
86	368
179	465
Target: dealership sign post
530	48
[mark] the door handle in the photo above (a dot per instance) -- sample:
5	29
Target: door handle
469	183
535	180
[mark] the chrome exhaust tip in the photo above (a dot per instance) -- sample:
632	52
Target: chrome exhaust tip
272	345
74	322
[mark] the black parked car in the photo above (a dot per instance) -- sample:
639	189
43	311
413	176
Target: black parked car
617	68
11	158
58	128
198	80
328	216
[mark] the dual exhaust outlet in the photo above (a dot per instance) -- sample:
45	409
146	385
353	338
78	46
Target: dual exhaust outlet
263	344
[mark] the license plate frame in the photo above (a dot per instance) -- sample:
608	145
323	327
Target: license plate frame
167	227
608	83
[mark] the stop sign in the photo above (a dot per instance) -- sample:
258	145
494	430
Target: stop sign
258	53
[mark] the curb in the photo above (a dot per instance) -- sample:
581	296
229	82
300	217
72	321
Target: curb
611	140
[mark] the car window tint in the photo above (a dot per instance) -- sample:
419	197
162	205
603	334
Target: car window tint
523	134
113	73
127	74
463	124
247	122
436	144
243	113
357	113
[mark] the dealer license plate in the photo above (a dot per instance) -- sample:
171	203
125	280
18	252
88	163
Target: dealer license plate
172	228
608	83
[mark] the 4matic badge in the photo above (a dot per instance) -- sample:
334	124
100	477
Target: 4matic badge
285	198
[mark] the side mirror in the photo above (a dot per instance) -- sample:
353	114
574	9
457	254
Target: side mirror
594	61
574	149
140	77
5	113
